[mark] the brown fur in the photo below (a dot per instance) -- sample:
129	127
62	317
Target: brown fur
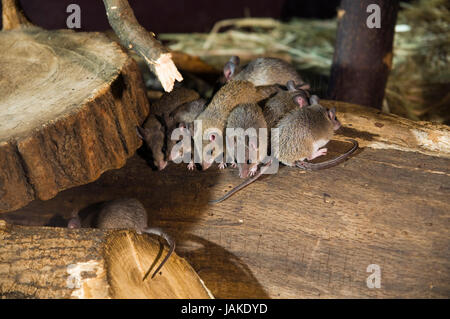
224	101
153	135
299	129
183	115
170	101
246	116
268	71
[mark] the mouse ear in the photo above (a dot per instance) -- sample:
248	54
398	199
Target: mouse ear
300	100
303	86
314	99
182	126
235	60
332	113
290	85
140	132
228	70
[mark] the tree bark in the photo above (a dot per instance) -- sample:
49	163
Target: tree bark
69	105
363	55
47	262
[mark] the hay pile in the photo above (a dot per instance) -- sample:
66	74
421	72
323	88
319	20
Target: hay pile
419	84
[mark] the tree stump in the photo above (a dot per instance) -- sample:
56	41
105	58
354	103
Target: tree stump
46	262
69	104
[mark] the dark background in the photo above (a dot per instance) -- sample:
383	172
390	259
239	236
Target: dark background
175	16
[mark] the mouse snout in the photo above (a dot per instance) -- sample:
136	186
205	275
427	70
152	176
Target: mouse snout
336	124
73	223
161	164
244	170
206	165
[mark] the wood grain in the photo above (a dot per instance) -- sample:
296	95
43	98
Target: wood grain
69	104
294	234
48	262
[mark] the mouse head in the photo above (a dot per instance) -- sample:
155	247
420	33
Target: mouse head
154	138
332	116
74	222
314	99
231	67
208	149
300	91
171	143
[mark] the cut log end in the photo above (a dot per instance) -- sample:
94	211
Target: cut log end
167	72
90	263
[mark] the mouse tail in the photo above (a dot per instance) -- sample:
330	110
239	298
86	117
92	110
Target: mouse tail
330	163
159	232
242	185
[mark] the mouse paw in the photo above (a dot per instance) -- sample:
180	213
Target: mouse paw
253	170
234	165
317	153
222	165
191	166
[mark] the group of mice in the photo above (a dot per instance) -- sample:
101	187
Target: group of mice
266	93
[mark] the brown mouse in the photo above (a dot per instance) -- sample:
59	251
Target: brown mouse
296	96
153	134
215	115
302	133
127	213
262	71
169	101
153	131
246	116
182	117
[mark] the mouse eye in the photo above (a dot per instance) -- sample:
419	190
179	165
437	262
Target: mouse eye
212	137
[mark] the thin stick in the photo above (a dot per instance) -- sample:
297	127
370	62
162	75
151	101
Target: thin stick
13	16
133	36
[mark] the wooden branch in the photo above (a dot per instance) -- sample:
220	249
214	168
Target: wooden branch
363	56
133	36
69	105
89	263
13	16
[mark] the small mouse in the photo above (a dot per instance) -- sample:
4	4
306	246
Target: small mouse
296	96
224	101
247	116
153	131
302	133
153	134
261	71
182	117
170	101
126	213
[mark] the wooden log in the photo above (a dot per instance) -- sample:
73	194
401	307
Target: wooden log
47	262
363	56
302	234
69	104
